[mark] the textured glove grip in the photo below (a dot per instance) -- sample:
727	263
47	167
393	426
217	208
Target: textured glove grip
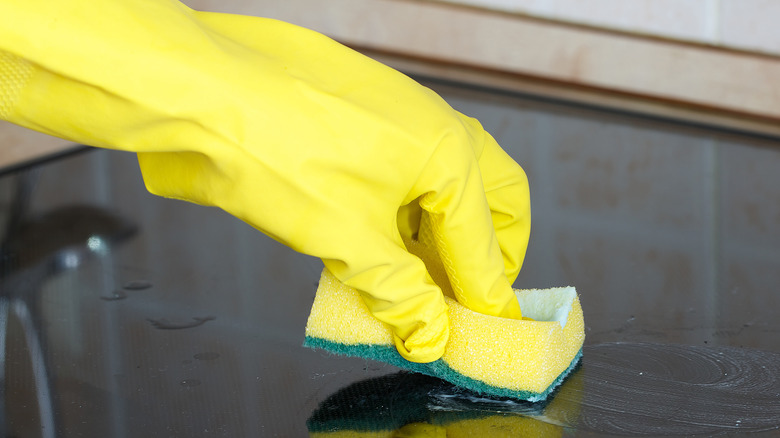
15	72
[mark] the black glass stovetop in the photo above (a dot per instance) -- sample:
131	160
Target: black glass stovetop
126	315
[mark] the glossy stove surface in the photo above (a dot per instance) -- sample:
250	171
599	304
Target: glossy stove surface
128	315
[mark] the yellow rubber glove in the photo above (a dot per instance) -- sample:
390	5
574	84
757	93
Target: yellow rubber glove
310	142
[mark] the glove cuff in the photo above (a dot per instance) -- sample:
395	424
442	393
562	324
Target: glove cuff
15	73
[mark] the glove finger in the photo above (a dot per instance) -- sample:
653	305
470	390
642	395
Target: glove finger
506	190
397	290
463	230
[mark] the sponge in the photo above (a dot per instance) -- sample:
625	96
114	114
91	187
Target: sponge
520	359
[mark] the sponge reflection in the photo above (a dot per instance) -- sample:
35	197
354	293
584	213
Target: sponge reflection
415	405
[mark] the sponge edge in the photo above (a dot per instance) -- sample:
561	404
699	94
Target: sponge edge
496	356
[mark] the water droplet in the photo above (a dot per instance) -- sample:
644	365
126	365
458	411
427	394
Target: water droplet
137	285
114	296
164	324
207	356
189	383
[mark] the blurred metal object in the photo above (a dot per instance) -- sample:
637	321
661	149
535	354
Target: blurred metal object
33	250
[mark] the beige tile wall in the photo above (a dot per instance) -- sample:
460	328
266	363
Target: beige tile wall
739	86
646	67
751	24
740	24
685	19
658	71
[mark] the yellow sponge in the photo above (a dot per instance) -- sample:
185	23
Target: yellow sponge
497	356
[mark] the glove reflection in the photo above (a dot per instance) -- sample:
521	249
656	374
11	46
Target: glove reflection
414	405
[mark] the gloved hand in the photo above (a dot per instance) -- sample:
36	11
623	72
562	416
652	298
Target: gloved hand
301	137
